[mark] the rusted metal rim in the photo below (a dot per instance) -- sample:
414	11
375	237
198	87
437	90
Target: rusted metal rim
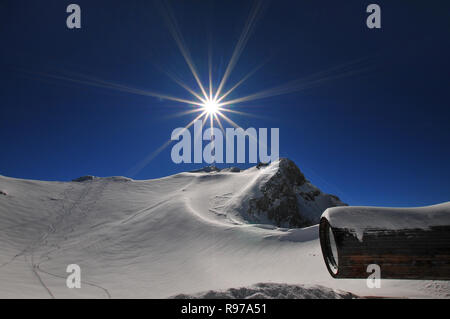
329	248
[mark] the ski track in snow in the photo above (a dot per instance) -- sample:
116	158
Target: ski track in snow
78	203
67	210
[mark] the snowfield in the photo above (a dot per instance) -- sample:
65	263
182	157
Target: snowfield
183	235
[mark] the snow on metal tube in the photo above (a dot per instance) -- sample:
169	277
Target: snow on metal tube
406	243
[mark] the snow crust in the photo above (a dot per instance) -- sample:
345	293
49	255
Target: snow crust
359	219
272	291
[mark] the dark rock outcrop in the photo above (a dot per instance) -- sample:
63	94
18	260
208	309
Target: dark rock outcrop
84	178
207	169
289	199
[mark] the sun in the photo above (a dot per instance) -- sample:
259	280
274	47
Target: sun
211	106
212	101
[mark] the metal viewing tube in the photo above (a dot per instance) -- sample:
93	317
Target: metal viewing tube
407	243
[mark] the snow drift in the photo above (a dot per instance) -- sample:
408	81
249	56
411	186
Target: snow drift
362	219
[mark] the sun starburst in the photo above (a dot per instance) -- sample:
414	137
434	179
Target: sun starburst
211	102
211	106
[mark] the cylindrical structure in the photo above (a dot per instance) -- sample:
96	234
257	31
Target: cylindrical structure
406	243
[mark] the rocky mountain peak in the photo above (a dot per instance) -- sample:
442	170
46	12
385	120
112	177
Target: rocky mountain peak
288	199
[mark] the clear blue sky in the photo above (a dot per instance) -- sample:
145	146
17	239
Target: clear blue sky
380	137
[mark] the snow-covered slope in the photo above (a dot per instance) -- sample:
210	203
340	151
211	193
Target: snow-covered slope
182	234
